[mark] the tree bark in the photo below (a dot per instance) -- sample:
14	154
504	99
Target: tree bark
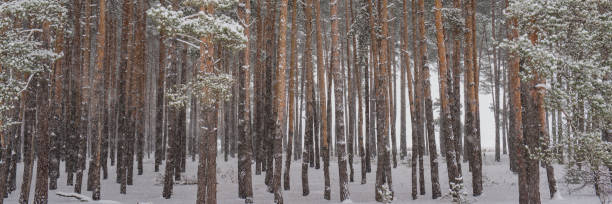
362	65
122	96
322	101
456	99
310	100
516	124
382	106
496	108
433	155
537	93
445	132
159	112
472	81
350	100
292	89
28	146
98	100
245	153
281	99
42	146
338	78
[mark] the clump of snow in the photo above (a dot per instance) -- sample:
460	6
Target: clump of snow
557	196
82	198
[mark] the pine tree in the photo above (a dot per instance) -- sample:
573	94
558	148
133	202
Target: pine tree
445	129
42	114
280	102
98	99
382	108
516	124
338	77
456	87
472	91
292	89
159	134
245	152
433	160
310	98
496	108
362	31
322	100
350	99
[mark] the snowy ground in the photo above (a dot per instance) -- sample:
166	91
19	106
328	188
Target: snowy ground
499	186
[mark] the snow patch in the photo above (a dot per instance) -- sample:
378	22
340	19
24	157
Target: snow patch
558	196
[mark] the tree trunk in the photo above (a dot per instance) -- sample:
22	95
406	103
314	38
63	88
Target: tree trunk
309	84
362	65
292	89
456	99
98	99
537	93
472	81
28	145
496	109
173	136
338	78
80	105
42	145
433	155
322	101
350	100
281	99
445	132
382	107
159	112
4	164
245	153
516	123
123	95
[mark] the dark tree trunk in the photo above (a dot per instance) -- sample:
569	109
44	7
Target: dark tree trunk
42	144
28	144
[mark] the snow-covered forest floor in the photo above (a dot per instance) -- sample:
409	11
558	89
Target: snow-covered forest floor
500	186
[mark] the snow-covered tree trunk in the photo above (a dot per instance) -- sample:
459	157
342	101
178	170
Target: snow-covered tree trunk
292	89
382	95
87	91
496	108
122	110
472	81
322	102
245	148
310	98
433	160
42	144
516	124
98	100
350	99
280	102
456	97
28	146
140	78
362	34
159	112
338	77
445	129
415	100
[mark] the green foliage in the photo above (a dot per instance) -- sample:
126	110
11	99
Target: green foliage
588	164
573	40
21	49
210	88
219	27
